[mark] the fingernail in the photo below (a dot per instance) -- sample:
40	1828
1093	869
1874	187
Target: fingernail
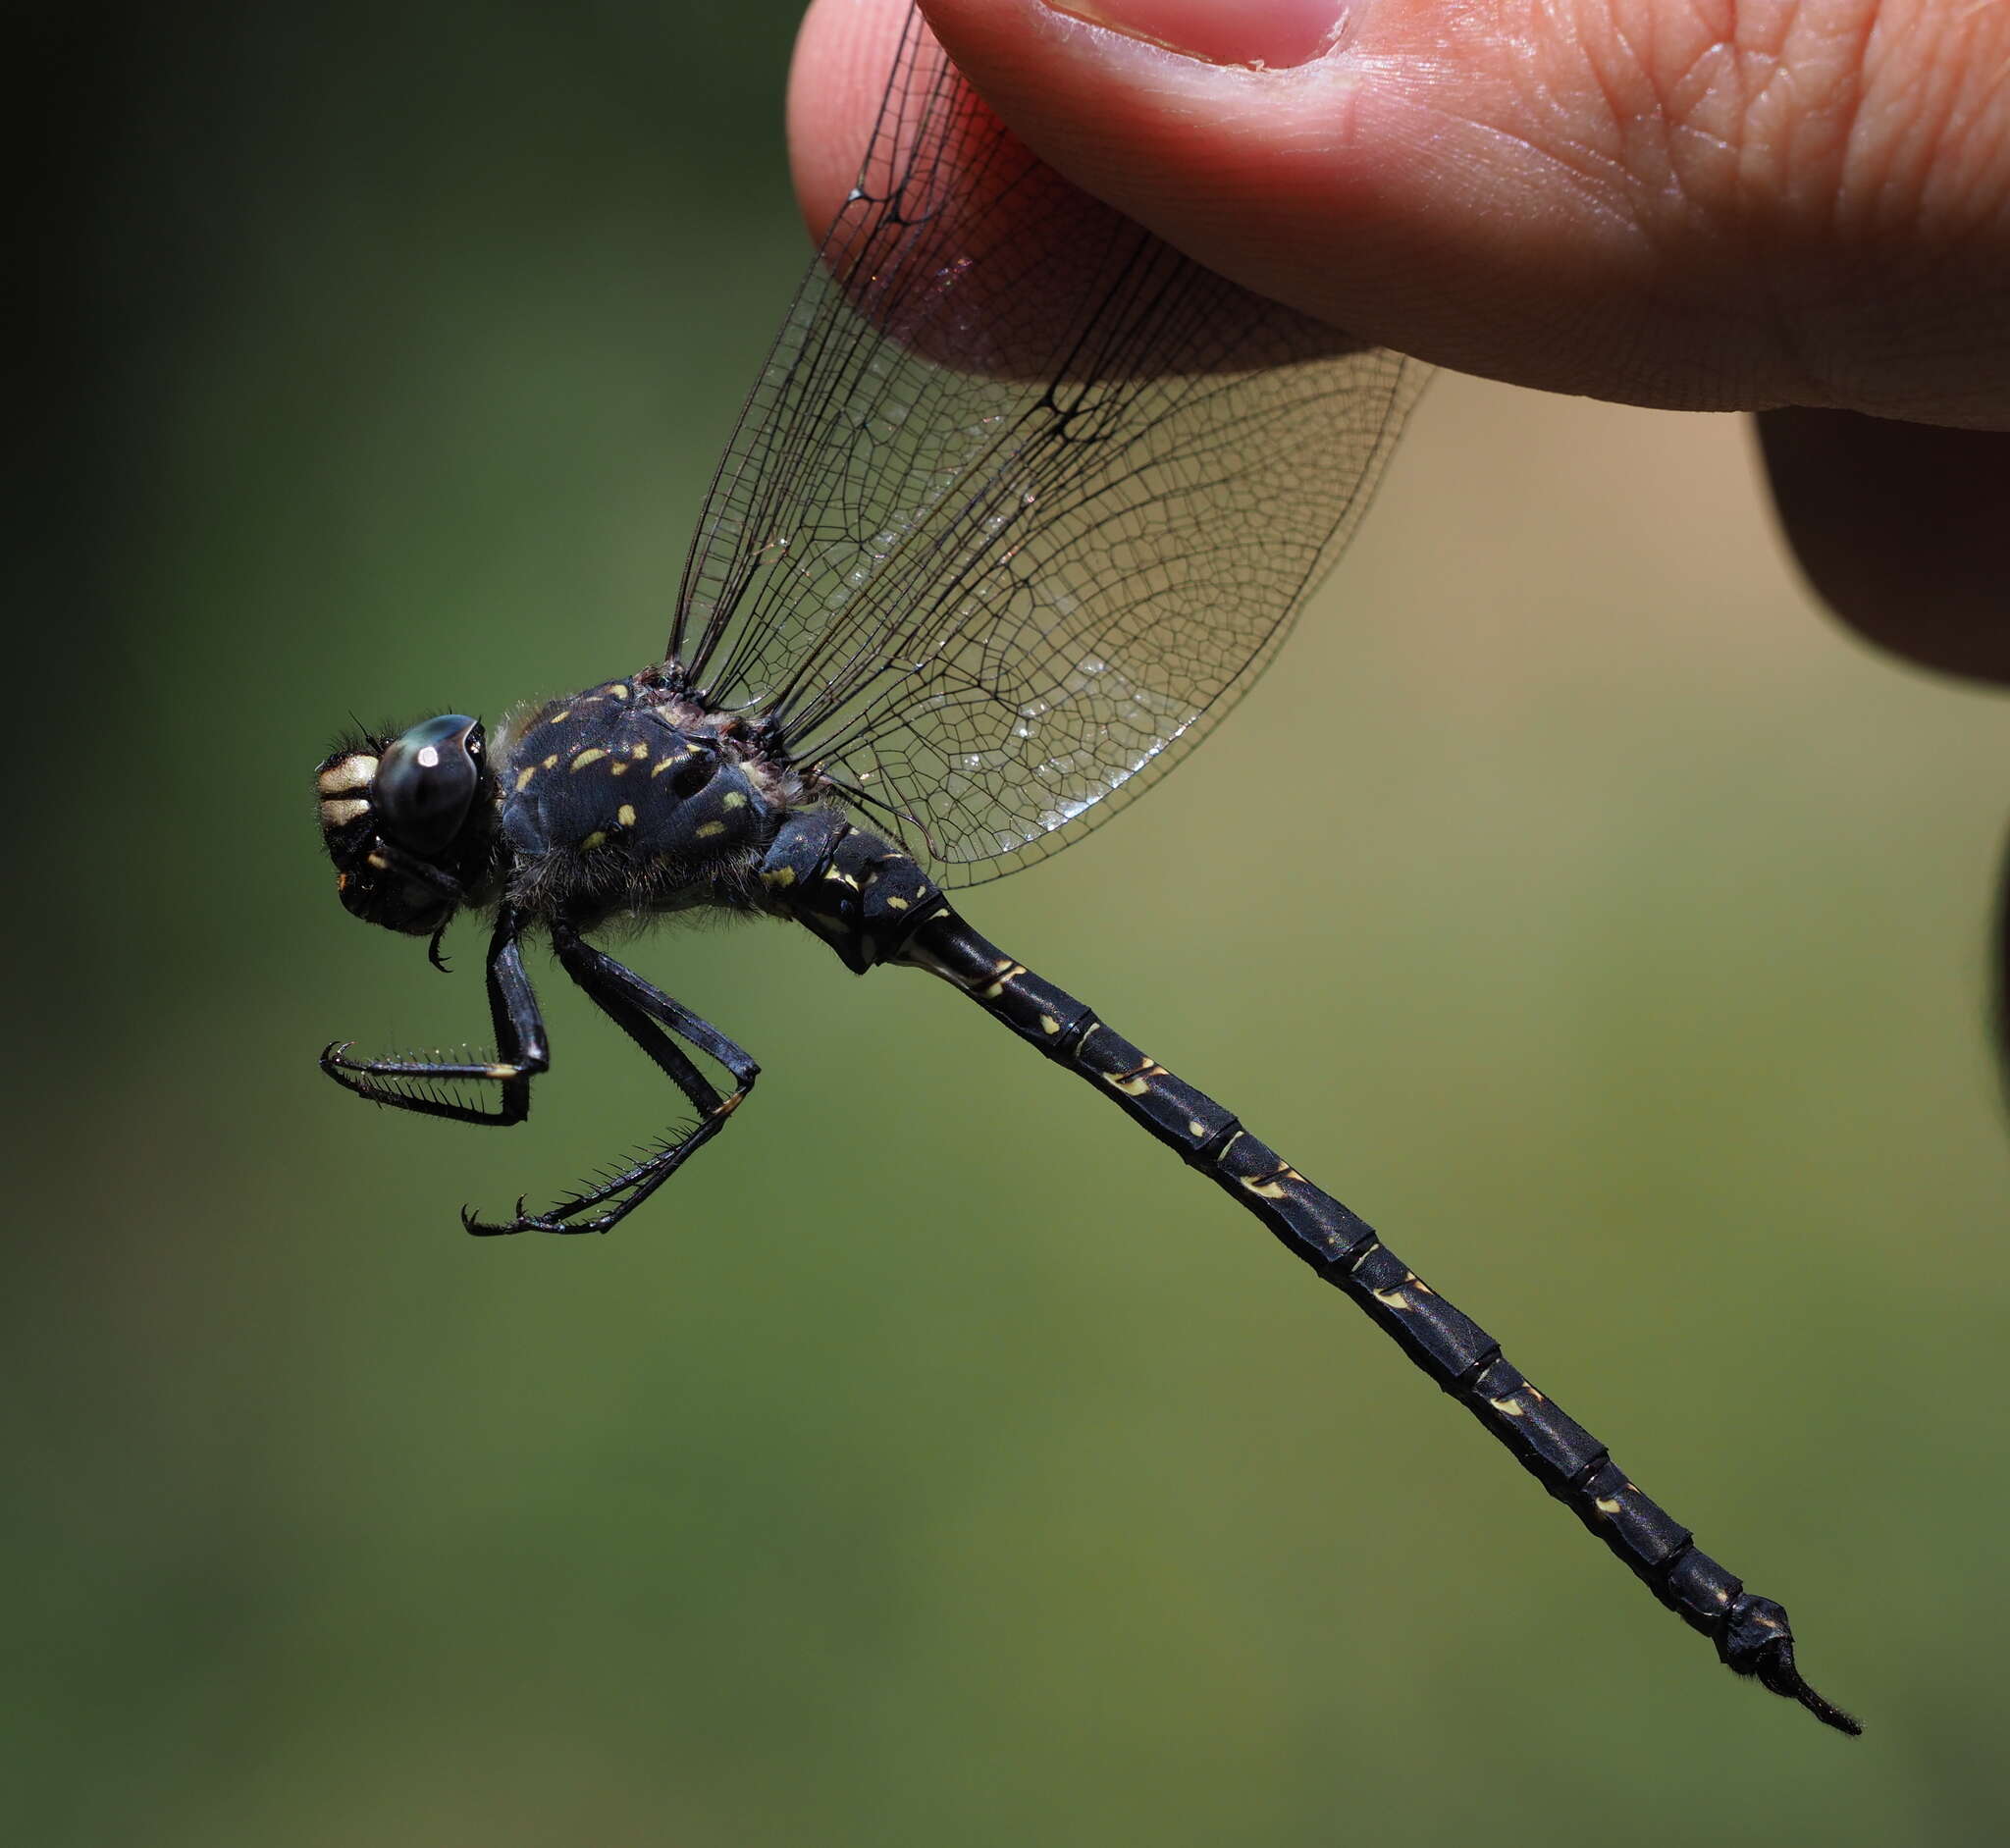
1276	34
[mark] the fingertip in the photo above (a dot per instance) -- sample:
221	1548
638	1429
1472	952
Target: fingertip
1337	184
844	49
1899	529
1288	173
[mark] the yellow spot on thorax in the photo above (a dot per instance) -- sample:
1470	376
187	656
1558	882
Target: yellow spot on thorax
626	815
706	829
585	757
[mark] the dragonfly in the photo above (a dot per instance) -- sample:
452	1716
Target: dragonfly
1020	504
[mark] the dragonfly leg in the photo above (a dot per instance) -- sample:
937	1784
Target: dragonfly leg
650	1017
522	1052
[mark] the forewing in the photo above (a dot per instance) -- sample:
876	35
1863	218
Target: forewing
1024	499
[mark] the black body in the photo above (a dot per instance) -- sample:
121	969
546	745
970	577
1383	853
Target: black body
975	607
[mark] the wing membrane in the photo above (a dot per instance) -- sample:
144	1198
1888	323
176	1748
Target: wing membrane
1024	499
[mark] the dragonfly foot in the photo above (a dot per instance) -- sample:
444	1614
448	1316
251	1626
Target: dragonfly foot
523	1220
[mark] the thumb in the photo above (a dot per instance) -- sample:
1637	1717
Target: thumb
1616	198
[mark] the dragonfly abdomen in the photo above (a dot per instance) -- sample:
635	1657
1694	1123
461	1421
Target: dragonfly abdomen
1751	1633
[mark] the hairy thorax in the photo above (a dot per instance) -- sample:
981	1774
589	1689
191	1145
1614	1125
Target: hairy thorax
631	795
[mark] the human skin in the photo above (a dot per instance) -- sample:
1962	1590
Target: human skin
1799	210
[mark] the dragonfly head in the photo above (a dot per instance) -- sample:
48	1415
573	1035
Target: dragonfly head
409	821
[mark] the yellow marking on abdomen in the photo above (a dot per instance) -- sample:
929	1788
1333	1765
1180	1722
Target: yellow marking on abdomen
1135	1083
1511	1408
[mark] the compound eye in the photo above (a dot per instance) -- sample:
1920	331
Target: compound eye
426	782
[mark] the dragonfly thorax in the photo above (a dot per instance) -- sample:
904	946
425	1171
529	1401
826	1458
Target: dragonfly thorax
632	796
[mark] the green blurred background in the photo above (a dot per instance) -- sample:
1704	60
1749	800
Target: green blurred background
937	1461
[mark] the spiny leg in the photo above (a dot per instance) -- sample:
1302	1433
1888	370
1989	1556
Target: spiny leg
521	1051
643	1013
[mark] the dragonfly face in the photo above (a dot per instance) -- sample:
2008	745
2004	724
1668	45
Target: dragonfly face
409	822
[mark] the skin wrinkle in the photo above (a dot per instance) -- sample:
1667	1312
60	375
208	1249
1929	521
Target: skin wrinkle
1673	98
1723	92
1598	174
1920	136
1798	93
1738	174
1615	154
1752	53
1973	129
1895	183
